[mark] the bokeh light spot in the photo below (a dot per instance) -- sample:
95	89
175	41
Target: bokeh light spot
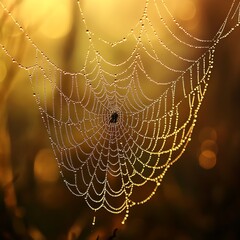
207	133
45	167
207	159
209	145
184	10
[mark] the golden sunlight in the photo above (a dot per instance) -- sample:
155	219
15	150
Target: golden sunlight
185	9
3	70
46	16
112	19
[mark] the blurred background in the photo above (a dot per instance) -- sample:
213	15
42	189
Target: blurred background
199	197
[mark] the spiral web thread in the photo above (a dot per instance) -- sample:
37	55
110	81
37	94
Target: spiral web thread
115	127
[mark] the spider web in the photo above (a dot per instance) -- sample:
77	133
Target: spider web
117	125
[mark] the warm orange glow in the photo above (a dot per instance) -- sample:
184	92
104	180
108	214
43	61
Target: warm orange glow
184	10
207	159
47	17
112	18
36	234
3	70
207	133
52	196
10	198
172	192
209	145
75	230
45	167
